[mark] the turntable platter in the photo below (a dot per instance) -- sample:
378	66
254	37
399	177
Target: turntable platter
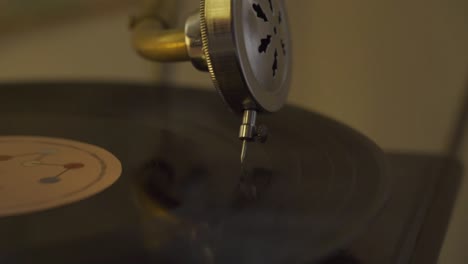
317	183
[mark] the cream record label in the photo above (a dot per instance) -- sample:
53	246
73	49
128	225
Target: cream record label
40	173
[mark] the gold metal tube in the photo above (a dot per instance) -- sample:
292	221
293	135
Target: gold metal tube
153	42
153	36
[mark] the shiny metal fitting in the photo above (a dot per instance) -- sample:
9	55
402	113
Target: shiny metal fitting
245	48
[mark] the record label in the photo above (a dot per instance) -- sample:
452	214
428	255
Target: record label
40	173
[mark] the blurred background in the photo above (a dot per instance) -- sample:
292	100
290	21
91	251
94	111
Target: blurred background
395	70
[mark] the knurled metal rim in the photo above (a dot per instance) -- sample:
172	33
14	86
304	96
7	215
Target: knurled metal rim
230	75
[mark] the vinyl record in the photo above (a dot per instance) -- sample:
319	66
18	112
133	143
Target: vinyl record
181	196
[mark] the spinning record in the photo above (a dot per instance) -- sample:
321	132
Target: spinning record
182	196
